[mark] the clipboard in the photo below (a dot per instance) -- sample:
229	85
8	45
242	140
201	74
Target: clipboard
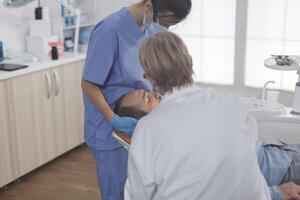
123	139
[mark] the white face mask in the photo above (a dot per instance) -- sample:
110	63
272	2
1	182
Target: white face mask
152	27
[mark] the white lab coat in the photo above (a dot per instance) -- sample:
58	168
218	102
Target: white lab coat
198	144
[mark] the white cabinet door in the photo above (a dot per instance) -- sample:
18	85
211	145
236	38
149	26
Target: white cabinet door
59	110
73	103
80	101
41	117
287	132
68	106
31	120
7	169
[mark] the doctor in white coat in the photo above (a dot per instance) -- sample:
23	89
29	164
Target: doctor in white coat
198	143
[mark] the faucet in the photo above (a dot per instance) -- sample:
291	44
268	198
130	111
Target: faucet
263	96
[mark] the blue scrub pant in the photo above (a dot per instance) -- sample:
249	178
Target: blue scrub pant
111	172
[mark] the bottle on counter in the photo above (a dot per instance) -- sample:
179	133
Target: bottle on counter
54	53
56	50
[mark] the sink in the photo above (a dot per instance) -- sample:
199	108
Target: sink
261	112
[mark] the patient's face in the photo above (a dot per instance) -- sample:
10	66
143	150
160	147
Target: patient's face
140	99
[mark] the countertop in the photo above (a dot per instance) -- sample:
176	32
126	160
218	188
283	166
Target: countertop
39	66
286	117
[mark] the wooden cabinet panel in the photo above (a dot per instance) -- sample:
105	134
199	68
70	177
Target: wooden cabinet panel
7	170
73	103
68	106
59	109
80	100
31	119
41	117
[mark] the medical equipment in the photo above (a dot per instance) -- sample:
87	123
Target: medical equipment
68	6
267	106
287	63
153	27
263	96
272	98
297	99
69	44
38	11
283	60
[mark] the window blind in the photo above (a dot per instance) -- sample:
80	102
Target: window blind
209	35
272	28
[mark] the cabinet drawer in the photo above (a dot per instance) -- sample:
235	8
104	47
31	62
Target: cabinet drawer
288	132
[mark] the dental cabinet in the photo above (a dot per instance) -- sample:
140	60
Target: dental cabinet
41	115
285	127
64	22
7	169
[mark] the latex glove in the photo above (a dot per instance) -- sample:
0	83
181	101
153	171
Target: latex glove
124	124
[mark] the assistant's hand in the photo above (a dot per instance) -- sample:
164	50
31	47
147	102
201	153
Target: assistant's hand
290	191
124	124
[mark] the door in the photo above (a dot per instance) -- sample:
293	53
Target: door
31	119
59	110
68	106
7	167
70	92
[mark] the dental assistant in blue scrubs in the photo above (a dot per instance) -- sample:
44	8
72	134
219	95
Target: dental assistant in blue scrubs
111	70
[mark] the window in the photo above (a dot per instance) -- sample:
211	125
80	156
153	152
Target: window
209	34
268	27
272	28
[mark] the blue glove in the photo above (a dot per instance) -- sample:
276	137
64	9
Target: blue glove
124	124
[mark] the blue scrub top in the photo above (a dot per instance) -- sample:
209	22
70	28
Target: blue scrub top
112	63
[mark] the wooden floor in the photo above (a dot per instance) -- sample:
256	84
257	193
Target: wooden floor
70	177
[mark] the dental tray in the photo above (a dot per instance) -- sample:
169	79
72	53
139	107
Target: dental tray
272	64
11	67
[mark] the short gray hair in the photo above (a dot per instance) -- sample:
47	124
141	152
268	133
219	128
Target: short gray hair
165	59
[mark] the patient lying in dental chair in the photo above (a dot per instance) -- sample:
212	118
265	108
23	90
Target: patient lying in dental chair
278	162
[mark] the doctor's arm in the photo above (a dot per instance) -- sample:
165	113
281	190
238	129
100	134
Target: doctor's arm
137	186
140	183
98	65
96	96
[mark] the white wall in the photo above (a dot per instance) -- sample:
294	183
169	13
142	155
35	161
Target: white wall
14	21
14	25
14	28
106	7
